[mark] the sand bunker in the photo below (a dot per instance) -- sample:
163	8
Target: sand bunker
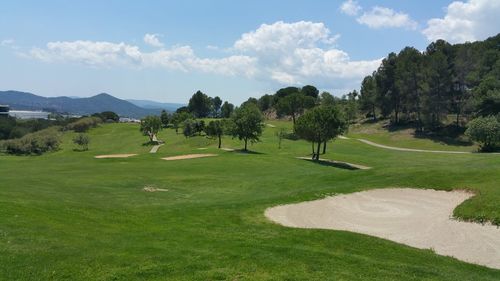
114	156
153	189
415	217
227	149
188	156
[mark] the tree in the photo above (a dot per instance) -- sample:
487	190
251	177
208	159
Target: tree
247	123
486	131
178	118
165	118
310	91
368	97
294	104
217	102
320	125
327	99
150	126
216	129
82	140
265	102
280	134
227	109
200	105
107	116
188	128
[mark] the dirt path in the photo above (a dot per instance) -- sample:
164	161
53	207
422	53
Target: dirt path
188	156
416	217
155	148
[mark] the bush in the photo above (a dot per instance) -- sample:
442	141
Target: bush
84	124
486	131
34	143
82	140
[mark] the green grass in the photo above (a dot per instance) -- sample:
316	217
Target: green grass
68	216
406	138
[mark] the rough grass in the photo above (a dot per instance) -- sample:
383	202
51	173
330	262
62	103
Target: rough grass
68	216
406	137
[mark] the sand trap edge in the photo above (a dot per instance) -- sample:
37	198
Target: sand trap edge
109	156
188	156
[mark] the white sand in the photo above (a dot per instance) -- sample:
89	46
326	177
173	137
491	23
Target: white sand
415	217
227	149
188	156
114	156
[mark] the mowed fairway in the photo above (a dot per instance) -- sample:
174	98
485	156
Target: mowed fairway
69	216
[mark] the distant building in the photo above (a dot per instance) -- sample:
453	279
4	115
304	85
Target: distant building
4	110
129	120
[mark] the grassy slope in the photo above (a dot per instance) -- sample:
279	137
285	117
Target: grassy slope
406	138
69	216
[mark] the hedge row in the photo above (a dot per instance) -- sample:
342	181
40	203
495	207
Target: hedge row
35	143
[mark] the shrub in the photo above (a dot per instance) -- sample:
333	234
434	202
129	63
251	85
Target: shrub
34	143
82	140
486	131
82	125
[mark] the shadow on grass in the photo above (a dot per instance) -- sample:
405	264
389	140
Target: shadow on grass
330	163
242	151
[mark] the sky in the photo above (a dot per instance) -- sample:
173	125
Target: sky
167	50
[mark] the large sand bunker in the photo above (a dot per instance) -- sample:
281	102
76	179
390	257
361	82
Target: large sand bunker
416	217
114	156
188	156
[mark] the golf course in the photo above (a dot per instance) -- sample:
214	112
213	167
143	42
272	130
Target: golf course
67	215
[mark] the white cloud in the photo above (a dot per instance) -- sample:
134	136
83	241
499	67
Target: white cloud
279	53
89	53
466	21
381	17
7	42
350	7
281	36
153	40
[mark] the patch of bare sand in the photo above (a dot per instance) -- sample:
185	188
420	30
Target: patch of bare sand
153	189
420	218
188	156
227	149
114	156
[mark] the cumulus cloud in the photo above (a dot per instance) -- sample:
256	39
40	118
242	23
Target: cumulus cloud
350	7
281	36
465	21
153	40
382	17
280	53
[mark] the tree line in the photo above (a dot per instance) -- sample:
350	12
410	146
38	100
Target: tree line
424	88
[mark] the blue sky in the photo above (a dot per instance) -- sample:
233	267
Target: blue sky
166	50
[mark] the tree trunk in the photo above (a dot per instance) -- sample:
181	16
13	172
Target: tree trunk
317	150
313	154
324	147
373	113
245	144
220	141
293	121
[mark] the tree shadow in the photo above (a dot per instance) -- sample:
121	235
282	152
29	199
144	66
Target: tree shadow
330	163
242	151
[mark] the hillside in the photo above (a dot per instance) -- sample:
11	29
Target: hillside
148	104
81	106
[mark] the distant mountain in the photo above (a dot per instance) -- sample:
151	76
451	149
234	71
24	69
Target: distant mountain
81	106
148	104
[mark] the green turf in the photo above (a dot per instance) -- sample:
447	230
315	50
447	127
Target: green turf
68	216
406	138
